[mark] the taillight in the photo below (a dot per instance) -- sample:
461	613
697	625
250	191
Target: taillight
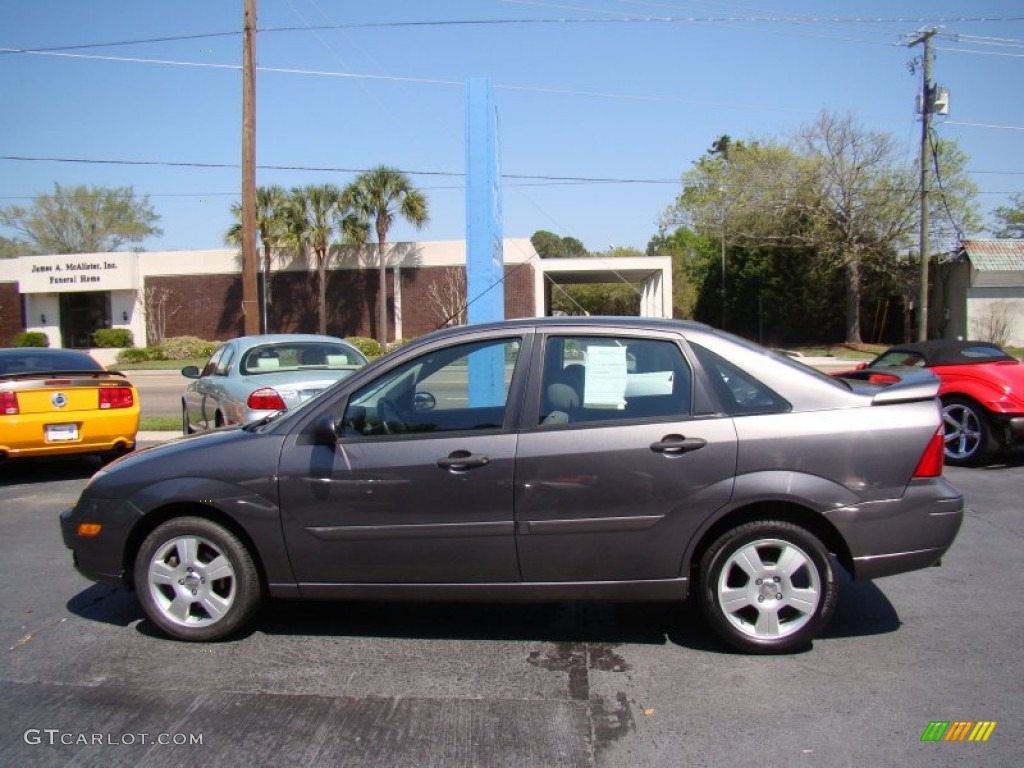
265	399
116	397
934	456
9	403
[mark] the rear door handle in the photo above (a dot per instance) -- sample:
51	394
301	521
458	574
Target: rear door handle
677	444
463	460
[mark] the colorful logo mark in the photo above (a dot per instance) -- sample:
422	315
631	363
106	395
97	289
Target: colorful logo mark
958	730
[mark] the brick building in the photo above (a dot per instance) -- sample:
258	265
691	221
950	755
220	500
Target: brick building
161	294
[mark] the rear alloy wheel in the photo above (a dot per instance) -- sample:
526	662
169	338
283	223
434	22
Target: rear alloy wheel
767	587
196	581
968	436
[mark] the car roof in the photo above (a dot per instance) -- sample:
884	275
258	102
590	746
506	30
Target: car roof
954	352
589	321
279	338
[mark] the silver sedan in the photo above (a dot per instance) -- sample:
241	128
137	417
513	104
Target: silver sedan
253	376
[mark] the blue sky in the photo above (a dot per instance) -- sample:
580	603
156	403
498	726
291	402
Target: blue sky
603	104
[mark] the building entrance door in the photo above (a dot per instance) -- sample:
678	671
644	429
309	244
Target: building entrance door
81	315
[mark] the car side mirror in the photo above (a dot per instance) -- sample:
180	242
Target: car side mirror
190	372
326	430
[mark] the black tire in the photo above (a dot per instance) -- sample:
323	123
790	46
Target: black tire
186	428
767	587
969	438
196	580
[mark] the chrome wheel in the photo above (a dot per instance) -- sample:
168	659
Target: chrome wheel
191	581
767	586
196	580
769	589
967	436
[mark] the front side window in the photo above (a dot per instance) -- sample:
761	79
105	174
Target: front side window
464	387
597	378
214	361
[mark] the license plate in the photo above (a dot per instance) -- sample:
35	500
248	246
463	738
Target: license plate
56	433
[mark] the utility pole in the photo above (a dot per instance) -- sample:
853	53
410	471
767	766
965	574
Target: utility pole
927	106
250	304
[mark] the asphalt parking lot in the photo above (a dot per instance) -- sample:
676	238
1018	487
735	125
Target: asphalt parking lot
85	680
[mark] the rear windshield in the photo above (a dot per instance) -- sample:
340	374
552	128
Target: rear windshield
55	360
294	356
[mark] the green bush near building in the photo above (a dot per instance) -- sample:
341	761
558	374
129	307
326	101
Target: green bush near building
30	339
108	338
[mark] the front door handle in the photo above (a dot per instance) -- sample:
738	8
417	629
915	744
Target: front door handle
463	460
677	444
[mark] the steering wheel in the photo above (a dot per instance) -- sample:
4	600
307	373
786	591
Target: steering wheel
388	416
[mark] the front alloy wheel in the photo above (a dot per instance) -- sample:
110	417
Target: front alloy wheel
767	587
969	439
196	580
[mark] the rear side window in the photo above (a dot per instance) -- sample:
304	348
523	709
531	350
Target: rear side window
741	394
597	378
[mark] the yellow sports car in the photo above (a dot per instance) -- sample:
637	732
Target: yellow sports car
59	401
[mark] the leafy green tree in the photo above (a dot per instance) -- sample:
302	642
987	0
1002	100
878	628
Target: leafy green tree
1009	219
550	246
271	228
12	248
375	198
81	220
684	246
312	216
841	196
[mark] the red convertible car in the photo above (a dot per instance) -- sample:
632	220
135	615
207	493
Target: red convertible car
982	392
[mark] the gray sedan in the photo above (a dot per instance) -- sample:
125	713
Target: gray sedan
546	459
253	376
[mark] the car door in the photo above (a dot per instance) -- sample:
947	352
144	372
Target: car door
419	487
618	462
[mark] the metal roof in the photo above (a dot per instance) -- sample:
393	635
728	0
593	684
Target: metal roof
995	255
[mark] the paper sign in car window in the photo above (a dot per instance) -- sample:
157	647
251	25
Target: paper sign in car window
605	384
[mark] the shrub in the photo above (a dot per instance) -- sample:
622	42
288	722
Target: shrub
186	348
113	337
369	347
134	355
30	339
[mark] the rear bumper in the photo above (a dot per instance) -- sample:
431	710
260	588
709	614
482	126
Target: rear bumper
24	436
898	535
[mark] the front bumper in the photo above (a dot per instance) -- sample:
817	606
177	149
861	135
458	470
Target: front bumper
100	558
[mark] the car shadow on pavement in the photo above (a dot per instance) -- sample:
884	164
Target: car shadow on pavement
863	610
107	605
25	471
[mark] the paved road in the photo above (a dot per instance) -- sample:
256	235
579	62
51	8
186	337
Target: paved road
159	392
477	685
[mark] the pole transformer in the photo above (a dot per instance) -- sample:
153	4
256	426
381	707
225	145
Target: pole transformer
250	302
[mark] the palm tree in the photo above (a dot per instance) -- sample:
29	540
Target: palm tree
378	196
270	204
312	216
